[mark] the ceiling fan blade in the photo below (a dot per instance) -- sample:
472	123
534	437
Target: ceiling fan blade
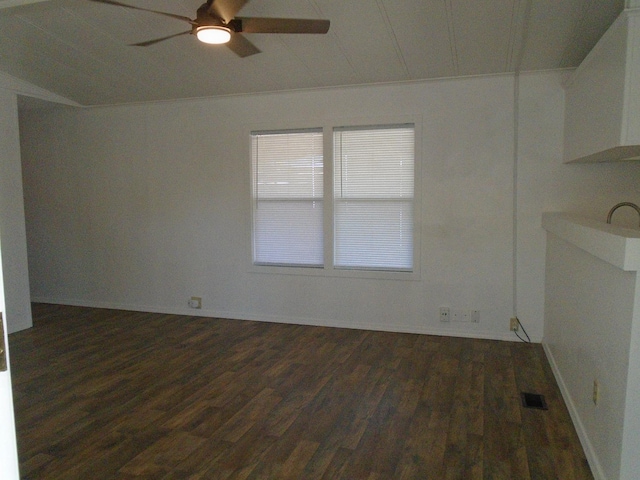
226	9
241	46
280	25
157	40
171	15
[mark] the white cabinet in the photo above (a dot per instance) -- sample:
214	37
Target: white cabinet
602	98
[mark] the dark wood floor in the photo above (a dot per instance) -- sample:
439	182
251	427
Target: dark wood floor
104	394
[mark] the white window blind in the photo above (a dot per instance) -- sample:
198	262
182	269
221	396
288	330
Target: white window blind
287	198
373	197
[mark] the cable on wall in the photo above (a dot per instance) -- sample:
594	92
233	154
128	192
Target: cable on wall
514	249
516	130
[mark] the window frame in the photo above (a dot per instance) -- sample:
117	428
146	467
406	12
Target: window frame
329	269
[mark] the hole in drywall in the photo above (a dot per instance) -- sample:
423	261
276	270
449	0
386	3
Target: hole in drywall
533	400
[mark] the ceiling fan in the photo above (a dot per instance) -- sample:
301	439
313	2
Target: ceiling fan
216	23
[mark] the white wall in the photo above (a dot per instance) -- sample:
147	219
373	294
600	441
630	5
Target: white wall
9	164
12	220
630	455
17	298
15	302
143	206
590	311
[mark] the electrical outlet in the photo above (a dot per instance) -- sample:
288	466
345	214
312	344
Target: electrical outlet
596	392
475	316
462	315
445	314
195	302
513	325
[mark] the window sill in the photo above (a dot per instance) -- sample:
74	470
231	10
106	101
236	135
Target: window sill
336	273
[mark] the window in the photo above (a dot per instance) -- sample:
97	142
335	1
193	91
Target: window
373	197
370	197
287	198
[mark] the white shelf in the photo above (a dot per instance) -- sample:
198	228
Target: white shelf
616	245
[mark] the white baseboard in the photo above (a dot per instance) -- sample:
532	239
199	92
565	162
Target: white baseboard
321	322
592	457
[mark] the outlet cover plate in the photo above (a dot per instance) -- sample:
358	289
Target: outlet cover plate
513	324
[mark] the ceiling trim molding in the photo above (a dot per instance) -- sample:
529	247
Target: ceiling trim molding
21	87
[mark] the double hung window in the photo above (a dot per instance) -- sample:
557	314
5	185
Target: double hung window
287	198
362	217
373	197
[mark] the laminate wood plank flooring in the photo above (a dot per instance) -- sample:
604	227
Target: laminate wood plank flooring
106	394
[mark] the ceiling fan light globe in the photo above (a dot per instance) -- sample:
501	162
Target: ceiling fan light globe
213	34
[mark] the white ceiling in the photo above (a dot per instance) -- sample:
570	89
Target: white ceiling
79	49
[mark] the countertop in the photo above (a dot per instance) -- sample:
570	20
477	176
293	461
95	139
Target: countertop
618	246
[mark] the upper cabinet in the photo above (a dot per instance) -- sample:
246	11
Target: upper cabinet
602	98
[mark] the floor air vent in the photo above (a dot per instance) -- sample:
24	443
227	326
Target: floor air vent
533	400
